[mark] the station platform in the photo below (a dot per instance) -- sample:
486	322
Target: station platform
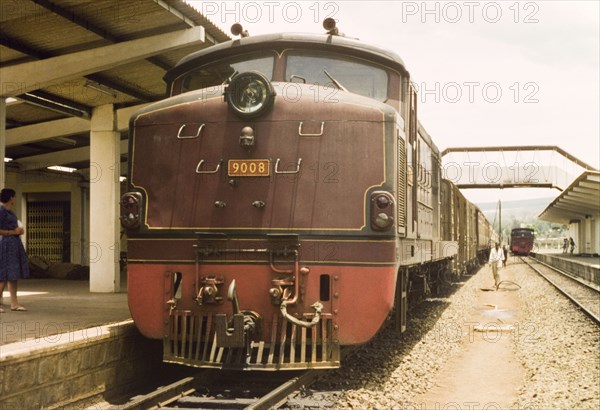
586	268
55	307
71	348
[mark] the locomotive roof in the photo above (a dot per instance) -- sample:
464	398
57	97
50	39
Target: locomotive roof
344	45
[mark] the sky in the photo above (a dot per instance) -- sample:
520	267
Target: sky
489	72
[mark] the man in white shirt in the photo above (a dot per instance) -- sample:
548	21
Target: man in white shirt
496	257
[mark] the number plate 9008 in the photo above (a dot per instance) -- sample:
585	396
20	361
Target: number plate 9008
248	167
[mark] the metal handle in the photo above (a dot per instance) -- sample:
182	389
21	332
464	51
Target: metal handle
277	171
309	134
182	137
208	172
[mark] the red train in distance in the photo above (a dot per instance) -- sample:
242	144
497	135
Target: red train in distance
521	241
284	201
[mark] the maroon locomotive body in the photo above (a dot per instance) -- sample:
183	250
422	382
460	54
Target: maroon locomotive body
521	241
281	201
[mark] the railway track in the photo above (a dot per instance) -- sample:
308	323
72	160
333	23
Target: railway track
225	390
584	295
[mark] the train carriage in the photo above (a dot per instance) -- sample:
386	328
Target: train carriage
283	201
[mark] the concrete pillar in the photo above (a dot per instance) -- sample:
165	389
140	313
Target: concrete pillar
104	198
587	235
2	141
574	232
596	235
76	219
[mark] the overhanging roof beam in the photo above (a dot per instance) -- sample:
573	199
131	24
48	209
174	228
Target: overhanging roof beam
570	214
22	48
593	178
557	215
571	208
64	127
590	185
40	55
582	198
60	157
576	201
66	67
587	197
587	191
136	93
86	24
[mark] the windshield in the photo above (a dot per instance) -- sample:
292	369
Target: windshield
217	72
522	232
354	75
337	71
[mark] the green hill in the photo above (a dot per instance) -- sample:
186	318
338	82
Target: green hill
520	214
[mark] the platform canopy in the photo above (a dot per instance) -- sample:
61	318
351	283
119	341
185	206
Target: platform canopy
579	201
59	59
511	167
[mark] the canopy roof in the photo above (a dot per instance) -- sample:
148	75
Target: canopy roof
62	58
579	201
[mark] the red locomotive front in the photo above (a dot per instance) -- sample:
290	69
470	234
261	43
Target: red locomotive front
262	208
521	241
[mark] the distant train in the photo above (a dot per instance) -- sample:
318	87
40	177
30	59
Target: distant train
521	241
284	201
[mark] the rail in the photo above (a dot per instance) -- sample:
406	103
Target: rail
584	295
229	390
209	389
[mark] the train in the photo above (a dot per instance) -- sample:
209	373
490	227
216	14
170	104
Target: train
521	241
283	201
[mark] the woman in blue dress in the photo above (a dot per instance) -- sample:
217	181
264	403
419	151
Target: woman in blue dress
14	264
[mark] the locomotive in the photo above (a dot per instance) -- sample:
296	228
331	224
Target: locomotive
284	201
521	241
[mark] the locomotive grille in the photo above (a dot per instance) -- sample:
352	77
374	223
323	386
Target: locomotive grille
192	340
401	183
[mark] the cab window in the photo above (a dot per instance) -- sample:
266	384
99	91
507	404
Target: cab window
355	75
217	72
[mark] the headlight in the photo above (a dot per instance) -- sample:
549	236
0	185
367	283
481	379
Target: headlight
250	94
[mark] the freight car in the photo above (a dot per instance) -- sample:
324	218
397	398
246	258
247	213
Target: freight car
464	223
521	241
284	201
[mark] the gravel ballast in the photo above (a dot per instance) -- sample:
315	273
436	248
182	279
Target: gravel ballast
556	345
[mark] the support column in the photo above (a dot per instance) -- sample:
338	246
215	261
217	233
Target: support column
596	235
104	198
2	142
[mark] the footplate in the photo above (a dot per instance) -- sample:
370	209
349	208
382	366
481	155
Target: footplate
192	340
